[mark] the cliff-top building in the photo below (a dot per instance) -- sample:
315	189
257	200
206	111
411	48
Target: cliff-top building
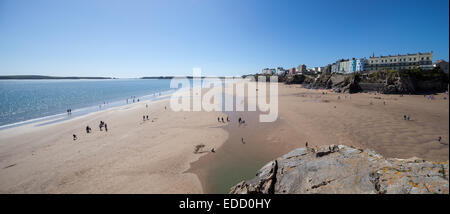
344	66
269	71
301	68
360	64
292	71
399	62
335	67
281	71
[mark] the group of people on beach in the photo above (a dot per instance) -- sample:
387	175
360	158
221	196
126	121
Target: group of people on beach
69	112
103	124
223	121
241	121
89	129
133	98
405	117
144	117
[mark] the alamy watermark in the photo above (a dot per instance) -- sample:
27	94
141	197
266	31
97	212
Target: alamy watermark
227	93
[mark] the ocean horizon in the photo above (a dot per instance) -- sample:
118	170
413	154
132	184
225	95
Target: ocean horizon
28	101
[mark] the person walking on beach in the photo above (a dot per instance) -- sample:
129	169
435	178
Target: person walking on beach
75	137
88	129
143	117
242	140
404	117
106	127
100	125
240	120
223	120
146	117
218	119
439	139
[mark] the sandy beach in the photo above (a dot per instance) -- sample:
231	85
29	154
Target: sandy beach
137	156
363	120
134	156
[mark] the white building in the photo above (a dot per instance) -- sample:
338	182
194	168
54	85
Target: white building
269	71
281	71
399	62
344	66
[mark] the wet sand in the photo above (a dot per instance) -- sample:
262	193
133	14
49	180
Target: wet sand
364	120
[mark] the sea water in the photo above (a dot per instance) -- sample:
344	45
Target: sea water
26	101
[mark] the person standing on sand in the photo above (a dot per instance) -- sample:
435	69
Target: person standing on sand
223	120
88	129
146	117
75	137
106	127
218	119
439	139
242	140
240	120
143	117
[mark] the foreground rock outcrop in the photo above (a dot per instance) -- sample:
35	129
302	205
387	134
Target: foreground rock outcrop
343	169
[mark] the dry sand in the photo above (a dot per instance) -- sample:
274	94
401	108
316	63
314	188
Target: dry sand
155	157
132	157
361	120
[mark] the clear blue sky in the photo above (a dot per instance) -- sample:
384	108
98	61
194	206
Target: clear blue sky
228	37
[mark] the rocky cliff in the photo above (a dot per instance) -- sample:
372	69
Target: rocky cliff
343	169
387	82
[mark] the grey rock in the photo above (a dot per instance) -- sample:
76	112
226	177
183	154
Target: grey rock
343	169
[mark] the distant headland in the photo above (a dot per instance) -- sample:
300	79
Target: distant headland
188	77
37	77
